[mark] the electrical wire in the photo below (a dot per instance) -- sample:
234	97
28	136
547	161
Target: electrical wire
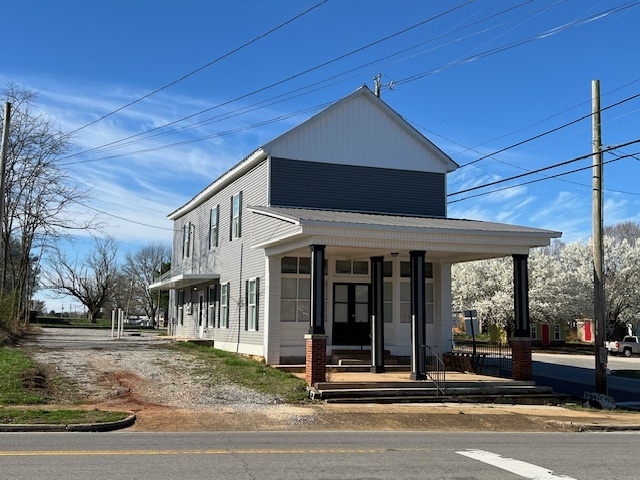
199	69
280	82
516	177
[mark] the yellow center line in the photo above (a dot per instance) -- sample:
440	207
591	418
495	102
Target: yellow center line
34	453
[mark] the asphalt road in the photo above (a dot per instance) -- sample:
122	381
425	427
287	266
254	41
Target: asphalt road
575	374
318	455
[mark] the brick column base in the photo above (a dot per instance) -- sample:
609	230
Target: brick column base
521	363
316	355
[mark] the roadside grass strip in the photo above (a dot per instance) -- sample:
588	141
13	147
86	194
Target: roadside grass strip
14	416
524	469
17	373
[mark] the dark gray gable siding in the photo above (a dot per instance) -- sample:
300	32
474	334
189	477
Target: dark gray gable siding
297	183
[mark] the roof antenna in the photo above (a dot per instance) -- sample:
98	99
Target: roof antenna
378	85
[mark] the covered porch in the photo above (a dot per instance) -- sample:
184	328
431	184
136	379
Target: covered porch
416	292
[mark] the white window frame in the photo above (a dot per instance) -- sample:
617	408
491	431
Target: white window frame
533	331
556	332
225	288
236	216
252	312
214	222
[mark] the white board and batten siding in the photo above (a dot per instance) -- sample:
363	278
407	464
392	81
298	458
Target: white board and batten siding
357	131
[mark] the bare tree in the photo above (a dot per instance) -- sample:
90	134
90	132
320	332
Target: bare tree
39	197
93	282
143	268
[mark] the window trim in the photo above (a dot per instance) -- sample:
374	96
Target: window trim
235	230
224	303
252	311
214	226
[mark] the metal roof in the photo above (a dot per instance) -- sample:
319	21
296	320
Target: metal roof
309	217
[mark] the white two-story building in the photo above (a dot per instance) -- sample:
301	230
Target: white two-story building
334	235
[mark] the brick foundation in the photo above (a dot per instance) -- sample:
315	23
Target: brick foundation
521	365
316	355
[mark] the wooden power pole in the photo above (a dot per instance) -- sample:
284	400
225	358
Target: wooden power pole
598	246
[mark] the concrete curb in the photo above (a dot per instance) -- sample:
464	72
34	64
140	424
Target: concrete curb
77	427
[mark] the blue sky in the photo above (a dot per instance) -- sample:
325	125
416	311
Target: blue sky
473	76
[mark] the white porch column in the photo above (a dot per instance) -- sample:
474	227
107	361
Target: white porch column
272	292
444	310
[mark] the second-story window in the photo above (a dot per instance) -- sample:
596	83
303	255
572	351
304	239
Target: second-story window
236	215
186	240
213	227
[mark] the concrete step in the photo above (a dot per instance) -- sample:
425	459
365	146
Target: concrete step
532	399
425	391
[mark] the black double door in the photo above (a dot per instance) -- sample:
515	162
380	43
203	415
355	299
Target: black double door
351	314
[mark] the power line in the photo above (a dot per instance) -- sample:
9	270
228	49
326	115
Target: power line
573	160
280	82
235	50
119	143
548	33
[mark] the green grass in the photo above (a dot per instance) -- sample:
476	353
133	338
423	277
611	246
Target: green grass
64	417
233	368
18	377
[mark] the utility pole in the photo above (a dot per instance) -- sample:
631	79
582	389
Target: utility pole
3	162
598	245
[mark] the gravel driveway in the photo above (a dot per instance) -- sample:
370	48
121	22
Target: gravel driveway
135	373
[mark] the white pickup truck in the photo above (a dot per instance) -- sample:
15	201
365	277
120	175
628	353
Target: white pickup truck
628	345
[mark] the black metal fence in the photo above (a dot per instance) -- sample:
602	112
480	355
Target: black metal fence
496	356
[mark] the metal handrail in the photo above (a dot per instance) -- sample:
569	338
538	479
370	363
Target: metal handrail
436	370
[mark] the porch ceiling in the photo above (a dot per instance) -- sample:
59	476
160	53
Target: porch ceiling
361	235
184	280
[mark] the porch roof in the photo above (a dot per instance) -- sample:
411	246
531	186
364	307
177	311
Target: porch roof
183	280
446	238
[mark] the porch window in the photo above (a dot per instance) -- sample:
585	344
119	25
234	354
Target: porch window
211	304
295	295
387	298
534	330
405	302
224	305
295	303
556	332
387	269
236	215
405	269
251	321
347	267
213	227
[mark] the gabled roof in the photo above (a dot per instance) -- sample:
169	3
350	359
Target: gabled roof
365	93
263	152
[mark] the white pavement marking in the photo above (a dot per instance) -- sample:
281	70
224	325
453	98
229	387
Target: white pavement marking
526	470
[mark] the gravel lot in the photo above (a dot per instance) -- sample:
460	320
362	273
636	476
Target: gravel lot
133	373
162	387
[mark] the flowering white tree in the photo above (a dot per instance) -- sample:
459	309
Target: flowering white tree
560	282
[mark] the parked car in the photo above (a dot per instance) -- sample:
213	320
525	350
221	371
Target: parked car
628	346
